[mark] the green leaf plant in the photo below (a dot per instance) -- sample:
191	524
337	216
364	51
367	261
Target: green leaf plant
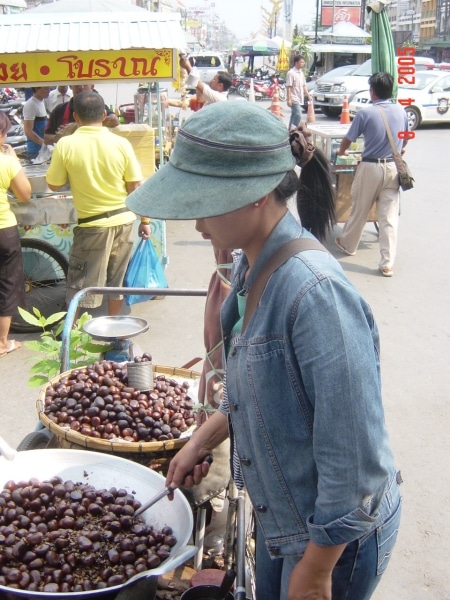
82	351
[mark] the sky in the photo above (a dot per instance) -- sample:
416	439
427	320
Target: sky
243	17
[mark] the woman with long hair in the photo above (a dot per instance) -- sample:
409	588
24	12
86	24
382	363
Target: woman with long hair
302	392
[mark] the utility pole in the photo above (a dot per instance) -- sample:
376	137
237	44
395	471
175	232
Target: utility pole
316	29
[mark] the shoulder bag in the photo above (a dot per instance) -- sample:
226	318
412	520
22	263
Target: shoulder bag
405	177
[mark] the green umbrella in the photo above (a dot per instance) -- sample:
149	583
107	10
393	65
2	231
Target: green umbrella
261	46
383	51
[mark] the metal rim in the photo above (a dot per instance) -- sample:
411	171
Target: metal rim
108	328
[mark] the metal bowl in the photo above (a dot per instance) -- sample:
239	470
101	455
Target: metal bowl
118	328
104	471
36	176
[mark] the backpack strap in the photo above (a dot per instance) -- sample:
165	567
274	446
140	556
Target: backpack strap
275	261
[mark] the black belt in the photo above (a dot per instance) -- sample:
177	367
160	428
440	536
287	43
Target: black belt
378	160
104	215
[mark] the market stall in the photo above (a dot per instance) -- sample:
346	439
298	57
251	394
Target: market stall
54	45
328	137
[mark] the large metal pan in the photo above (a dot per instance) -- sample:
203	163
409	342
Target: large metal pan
104	471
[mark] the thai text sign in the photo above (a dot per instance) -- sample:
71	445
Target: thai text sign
340	14
45	68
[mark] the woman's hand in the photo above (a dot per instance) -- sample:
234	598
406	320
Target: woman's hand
184	468
311	576
306	584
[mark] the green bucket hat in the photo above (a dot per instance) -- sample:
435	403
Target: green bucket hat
226	156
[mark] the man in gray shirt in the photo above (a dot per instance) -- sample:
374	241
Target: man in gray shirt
376	178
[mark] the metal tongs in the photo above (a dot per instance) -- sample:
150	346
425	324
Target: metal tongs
168	490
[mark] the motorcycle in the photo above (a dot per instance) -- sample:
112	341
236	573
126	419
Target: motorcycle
266	89
236	83
8	95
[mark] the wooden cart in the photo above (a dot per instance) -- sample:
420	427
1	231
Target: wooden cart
343	180
328	137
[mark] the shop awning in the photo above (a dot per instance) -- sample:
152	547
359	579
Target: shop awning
65	32
342	48
50	48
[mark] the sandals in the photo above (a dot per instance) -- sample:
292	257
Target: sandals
12	345
386	271
337	241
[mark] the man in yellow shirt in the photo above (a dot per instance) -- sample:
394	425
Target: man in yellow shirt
102	170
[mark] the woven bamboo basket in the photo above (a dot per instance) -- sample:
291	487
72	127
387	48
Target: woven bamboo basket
155	455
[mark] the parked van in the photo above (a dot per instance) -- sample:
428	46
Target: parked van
208	63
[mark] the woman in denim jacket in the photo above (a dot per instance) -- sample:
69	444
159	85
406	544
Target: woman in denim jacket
302	399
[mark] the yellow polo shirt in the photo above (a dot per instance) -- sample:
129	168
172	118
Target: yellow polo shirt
97	163
9	167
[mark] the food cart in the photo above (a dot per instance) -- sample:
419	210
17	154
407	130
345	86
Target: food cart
50	48
328	137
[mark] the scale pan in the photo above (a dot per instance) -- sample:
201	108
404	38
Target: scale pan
115	328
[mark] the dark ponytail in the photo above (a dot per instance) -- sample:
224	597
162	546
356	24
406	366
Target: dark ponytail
315	192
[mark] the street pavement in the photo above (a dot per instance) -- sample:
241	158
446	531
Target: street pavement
411	310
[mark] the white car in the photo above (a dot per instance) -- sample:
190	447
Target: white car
330	89
427	100
207	63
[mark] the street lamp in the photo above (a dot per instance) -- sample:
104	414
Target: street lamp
412	12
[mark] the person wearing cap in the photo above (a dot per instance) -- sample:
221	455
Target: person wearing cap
302	392
216	91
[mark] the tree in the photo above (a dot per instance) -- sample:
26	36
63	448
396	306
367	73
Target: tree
301	45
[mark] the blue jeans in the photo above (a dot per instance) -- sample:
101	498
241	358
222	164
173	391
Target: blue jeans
296	115
355	576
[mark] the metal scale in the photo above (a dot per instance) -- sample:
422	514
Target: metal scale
117	331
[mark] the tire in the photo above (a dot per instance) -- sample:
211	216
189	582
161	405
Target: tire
36	440
241	89
45	269
331	112
282	94
414	117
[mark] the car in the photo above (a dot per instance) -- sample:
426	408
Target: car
331	88
208	63
343	70
426	99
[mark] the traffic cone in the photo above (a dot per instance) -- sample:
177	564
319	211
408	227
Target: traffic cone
275	108
251	95
310	115
345	114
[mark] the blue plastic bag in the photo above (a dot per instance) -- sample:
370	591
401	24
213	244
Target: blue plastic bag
144	271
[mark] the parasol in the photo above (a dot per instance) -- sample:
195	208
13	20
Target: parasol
283	59
383	52
261	46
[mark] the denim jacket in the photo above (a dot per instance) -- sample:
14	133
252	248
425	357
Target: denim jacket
304	393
